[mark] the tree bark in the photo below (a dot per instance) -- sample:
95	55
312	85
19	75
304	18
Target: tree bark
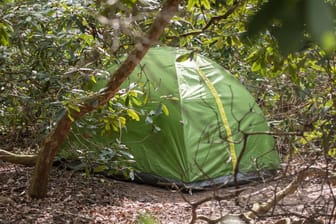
39	181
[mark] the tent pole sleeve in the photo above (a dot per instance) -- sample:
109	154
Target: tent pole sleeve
223	117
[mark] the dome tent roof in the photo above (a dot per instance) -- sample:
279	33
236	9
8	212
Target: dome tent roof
209	131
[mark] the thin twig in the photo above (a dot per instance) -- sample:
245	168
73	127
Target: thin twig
213	20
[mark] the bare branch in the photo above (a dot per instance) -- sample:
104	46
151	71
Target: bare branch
264	207
214	197
214	19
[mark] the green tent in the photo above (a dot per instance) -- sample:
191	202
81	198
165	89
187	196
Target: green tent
211	124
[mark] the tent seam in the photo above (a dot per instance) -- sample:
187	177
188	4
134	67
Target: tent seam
222	115
178	74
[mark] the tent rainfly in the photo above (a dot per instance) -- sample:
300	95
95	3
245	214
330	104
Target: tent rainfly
214	128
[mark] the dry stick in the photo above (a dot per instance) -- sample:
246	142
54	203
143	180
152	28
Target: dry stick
333	210
27	160
263	207
195	205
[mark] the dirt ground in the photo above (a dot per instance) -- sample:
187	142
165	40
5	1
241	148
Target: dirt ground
74	198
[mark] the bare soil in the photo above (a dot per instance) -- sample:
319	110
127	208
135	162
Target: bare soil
75	198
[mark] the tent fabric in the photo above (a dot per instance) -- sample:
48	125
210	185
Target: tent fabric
213	126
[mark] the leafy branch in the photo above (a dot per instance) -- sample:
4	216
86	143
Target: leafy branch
51	144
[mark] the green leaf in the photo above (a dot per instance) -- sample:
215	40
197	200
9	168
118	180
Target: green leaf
165	109
70	116
99	168
332	152
198	3
183	57
74	107
93	79
5	30
133	114
145	98
205	3
255	66
107	126
253	55
136	101
191	4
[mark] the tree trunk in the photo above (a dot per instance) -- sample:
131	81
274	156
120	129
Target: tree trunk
39	181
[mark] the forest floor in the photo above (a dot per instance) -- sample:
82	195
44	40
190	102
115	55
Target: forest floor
75	198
